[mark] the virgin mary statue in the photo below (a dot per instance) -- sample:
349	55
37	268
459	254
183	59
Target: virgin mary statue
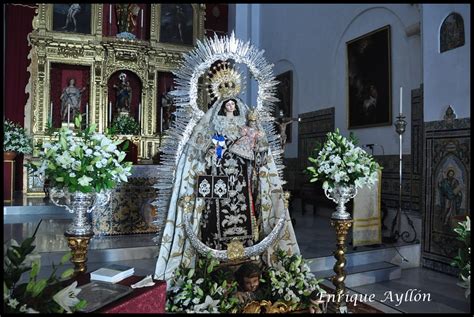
221	169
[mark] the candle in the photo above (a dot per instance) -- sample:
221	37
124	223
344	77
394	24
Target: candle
139	112
110	14
110	111
161	119
51	113
401	98
142	20
87	113
68	113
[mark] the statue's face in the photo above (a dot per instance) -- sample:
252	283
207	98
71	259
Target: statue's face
251	283
230	106
72	81
252	123
450	174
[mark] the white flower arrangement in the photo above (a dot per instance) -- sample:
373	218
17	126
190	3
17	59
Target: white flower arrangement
85	161
339	163
291	280
15	138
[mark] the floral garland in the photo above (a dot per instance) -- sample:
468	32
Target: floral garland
85	161
15	138
339	163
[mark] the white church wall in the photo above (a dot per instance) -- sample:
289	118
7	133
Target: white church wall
244	20
446	76
312	37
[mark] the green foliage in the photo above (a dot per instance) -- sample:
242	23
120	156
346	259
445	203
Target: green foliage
205	288
15	138
463	259
37	294
125	125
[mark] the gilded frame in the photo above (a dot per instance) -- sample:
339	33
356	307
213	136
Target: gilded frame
46	10
198	26
369	80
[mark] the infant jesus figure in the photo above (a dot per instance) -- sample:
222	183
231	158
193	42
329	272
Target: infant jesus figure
248	277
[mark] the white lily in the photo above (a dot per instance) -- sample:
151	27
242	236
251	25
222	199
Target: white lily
84	180
67	297
208	303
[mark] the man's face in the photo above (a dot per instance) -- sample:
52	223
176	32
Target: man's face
251	283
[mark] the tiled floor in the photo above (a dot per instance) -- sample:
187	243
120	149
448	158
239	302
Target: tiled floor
315	236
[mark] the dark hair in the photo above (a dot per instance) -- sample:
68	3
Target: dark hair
222	109
247	270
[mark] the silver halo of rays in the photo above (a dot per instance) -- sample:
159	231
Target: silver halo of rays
185	95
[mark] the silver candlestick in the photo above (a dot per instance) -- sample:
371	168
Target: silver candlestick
400	126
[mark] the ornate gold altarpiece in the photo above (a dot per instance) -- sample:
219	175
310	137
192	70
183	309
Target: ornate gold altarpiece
104	55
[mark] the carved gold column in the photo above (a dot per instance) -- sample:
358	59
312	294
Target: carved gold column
342	227
78	245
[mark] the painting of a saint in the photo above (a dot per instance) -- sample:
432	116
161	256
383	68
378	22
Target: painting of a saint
176	24
369	79
73	17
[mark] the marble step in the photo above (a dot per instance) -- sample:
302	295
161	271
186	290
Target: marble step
404	255
365	274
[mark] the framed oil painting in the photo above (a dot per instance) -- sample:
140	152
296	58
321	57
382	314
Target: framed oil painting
369	80
72	17
176	24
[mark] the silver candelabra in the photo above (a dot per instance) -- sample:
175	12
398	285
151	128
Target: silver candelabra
395	234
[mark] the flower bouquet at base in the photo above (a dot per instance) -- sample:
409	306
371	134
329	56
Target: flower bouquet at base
85	161
215	288
290	282
204	289
45	295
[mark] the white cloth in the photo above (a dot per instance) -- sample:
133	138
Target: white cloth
367	228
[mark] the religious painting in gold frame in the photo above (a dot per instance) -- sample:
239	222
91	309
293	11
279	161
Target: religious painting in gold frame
369	79
176	24
76	19
72	17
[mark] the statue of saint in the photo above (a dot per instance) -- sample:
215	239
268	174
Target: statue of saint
71	101
226	179
123	93
127	14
